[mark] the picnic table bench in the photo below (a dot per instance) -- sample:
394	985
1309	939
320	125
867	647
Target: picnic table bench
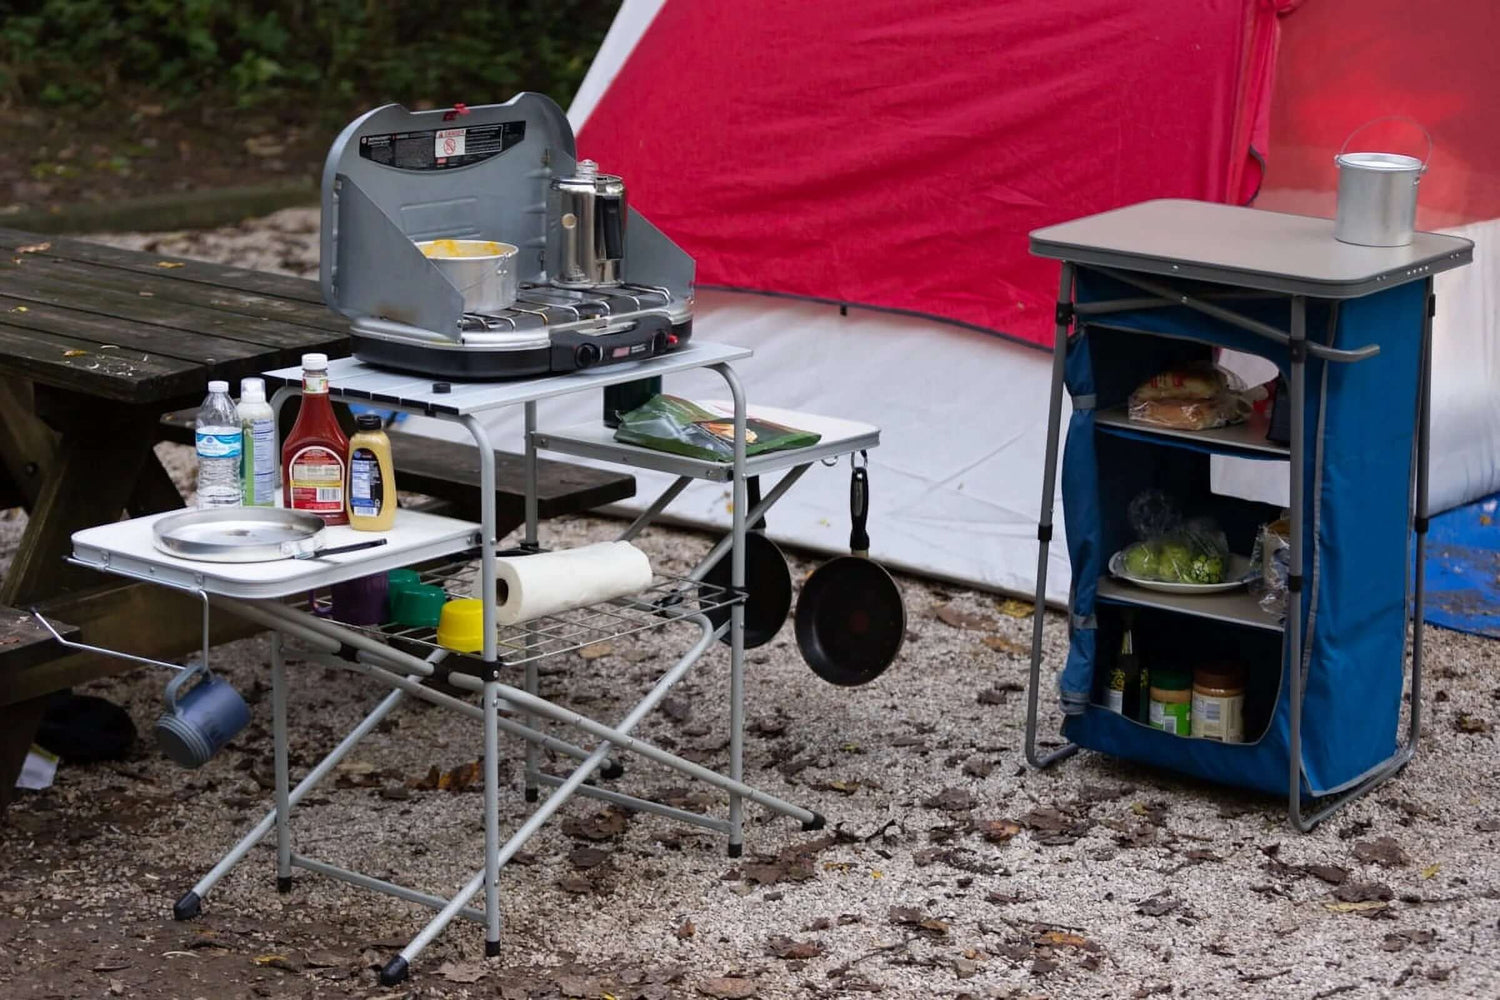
96	345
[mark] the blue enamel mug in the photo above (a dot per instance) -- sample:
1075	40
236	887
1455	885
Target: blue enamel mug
200	718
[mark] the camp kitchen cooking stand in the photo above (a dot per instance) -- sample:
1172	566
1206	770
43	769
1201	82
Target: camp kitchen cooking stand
1161	283
274	594
485	173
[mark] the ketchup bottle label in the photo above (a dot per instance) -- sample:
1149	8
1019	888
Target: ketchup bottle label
317	481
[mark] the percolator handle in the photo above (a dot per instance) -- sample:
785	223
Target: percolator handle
1391	118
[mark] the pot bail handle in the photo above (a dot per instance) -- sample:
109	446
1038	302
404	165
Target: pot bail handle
1390	118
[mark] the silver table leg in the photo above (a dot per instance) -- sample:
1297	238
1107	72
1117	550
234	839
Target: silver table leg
283	794
1044	521
737	619
530	540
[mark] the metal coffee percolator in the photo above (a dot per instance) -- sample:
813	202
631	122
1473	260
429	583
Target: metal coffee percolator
586	231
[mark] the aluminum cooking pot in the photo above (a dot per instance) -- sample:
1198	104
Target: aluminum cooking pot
483	271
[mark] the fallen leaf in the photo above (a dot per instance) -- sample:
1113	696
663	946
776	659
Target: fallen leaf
676	709
728	988
998	831
1159	905
686	930
1383	851
950	800
1466	723
584	858
25	309
596	650
1001	644
1362	892
1014	608
1332	874
575	885
958	618
905	915
978	767
323	960
1431	870
168	265
602	824
965	968
34	248
1062	939
462	972
781	946
275	961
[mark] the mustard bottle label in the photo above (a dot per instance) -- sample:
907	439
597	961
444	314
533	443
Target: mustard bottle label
366	487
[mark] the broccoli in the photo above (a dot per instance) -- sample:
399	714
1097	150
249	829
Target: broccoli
1141	561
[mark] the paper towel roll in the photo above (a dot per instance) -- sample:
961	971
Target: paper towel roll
551	582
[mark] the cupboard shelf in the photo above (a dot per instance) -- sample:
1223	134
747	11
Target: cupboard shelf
1245	440
1237	607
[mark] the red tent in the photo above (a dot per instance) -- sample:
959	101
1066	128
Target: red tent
892	157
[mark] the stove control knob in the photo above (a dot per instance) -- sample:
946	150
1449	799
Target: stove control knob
586	355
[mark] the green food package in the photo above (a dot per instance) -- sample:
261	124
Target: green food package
683	427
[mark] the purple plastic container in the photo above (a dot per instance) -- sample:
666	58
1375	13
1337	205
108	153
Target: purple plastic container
362	601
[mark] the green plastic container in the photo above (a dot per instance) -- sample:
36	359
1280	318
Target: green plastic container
420	606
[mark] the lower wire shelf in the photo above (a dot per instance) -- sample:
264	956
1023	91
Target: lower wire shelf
668	599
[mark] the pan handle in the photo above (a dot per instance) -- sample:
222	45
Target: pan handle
859	511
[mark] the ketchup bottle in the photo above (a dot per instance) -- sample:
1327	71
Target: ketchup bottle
316	454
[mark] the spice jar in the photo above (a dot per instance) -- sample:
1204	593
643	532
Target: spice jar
1171	701
1219	703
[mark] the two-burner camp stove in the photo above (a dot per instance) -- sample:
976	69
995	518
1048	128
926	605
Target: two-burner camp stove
597	283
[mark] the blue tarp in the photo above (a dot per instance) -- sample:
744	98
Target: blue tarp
1463	569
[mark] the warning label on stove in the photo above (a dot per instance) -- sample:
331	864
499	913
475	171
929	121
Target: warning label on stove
441	149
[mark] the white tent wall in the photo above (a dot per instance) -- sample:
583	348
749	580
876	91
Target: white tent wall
956	481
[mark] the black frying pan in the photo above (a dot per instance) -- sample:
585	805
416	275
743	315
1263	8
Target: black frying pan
850	618
768	582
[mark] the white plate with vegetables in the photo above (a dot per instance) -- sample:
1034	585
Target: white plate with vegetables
1172	573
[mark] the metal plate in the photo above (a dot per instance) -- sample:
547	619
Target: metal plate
238	534
1238	570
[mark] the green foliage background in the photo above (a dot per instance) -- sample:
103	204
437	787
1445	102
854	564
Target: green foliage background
263	52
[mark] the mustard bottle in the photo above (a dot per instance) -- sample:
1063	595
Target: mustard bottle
372	477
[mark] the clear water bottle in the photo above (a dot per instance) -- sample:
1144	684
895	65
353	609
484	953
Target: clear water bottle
219	449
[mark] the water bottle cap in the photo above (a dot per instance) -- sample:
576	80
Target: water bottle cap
317	362
252	390
218	385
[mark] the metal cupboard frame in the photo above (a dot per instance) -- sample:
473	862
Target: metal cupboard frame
1164	249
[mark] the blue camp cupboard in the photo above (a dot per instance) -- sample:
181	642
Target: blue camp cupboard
1148	288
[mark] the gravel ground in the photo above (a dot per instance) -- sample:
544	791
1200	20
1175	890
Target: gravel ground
949	869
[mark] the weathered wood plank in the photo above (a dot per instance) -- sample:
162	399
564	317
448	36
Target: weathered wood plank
24	643
213	326
147	263
164	288
450	471
127	376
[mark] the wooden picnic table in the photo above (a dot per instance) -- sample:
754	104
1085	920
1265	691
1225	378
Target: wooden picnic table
96	343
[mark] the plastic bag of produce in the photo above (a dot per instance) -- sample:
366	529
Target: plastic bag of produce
1193	397
699	430
1173	549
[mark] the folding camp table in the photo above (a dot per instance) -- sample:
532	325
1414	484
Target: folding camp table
460	556
1155	285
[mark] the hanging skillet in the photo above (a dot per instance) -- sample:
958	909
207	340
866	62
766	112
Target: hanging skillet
768	582
850	618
